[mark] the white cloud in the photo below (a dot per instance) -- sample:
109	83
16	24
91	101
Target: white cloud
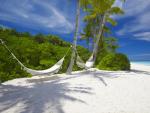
136	7
143	36
118	3
137	18
35	14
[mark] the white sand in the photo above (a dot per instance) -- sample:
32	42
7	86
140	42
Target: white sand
83	92
140	67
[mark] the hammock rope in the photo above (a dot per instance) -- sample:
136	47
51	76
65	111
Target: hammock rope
52	70
86	65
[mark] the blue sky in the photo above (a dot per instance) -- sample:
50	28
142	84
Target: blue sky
58	17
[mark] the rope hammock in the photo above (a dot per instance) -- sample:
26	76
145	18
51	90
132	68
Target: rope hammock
86	65
52	70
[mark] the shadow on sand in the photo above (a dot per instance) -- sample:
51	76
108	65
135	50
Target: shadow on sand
140	72
48	93
43	96
94	74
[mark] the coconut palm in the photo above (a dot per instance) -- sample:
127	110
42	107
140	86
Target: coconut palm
83	4
102	9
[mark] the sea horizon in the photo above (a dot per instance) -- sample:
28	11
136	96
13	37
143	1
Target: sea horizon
143	62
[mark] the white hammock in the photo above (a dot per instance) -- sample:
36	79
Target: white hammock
90	62
80	63
54	69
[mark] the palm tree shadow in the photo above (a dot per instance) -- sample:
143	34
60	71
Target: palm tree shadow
97	75
100	75
100	78
45	96
140	72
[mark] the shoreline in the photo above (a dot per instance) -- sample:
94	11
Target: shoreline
140	67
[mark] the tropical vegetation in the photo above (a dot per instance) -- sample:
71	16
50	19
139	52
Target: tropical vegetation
114	62
98	14
43	51
36	52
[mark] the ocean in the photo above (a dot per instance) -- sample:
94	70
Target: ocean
142	62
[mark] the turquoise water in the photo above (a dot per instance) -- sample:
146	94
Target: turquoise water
142	62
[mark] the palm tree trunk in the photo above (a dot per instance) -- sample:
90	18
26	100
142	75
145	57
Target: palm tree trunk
73	56
101	41
95	50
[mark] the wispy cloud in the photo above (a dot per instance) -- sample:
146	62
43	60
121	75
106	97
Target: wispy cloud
137	13
118	3
143	36
35	14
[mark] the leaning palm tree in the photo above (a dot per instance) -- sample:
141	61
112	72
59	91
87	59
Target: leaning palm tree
102	9
80	3
69	70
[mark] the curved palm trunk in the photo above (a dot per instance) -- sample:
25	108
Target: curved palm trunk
95	50
101	41
73	56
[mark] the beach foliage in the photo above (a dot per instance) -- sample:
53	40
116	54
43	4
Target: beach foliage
114	62
36	52
99	23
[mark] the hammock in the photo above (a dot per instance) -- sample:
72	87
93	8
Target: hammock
80	63
90	62
52	70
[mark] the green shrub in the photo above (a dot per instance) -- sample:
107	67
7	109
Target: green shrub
9	76
114	62
3	77
36	52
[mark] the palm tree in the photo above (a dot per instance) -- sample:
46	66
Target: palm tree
69	70
83	4
102	9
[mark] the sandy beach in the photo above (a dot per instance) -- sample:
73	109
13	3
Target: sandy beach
92	91
140	67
